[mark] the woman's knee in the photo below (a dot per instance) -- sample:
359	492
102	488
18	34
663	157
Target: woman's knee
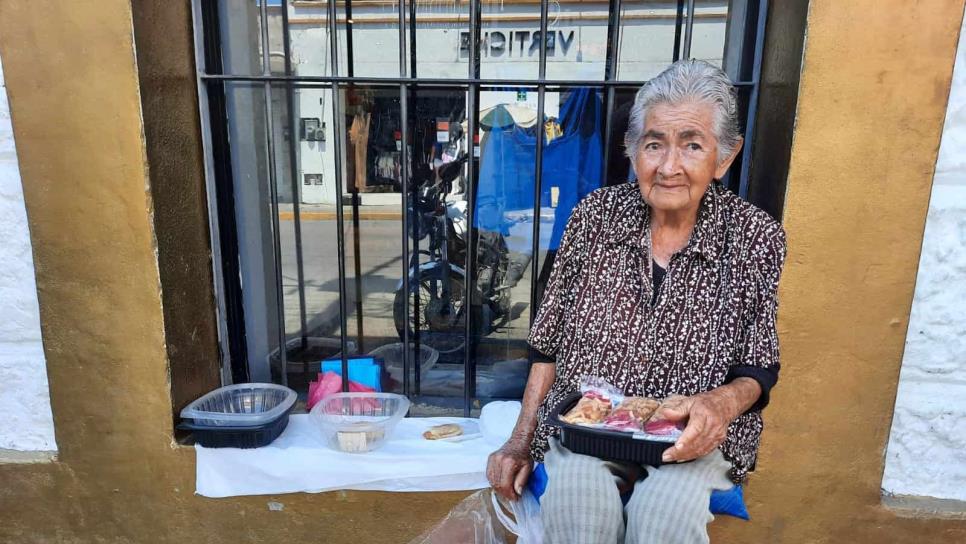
671	504
576	481
581	502
668	518
582	512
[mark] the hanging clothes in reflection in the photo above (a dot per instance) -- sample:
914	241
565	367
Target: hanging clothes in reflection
359	141
572	162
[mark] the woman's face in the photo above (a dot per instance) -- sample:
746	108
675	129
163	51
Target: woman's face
678	157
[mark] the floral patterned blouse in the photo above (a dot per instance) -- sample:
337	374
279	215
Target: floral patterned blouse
712	320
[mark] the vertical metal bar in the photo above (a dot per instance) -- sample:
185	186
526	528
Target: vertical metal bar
412	39
613	40
469	355
543	43
357	265
537	193
349	53
404	171
737	20
339	212
678	22
688	30
402	37
201	41
293	162
404	113
753	102
273	192
355	198
538	172
410	97
610	73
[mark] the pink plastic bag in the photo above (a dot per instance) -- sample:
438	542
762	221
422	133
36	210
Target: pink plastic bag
329	383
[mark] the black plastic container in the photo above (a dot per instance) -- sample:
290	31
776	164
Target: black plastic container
237	437
614	445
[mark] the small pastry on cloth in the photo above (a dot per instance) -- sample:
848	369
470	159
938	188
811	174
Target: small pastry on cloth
445	430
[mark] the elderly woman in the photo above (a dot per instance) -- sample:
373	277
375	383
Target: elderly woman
666	288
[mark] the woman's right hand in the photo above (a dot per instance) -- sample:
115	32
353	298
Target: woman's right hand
509	467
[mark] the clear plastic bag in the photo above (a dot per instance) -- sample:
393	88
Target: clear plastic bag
472	521
602	388
602	406
526	522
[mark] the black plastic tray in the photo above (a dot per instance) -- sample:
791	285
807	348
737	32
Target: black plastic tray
237	437
613	445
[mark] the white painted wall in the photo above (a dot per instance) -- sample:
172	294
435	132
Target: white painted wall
26	423
927	447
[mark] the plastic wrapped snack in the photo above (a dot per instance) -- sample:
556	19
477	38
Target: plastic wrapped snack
602	387
598	399
662	427
603	406
632	414
592	408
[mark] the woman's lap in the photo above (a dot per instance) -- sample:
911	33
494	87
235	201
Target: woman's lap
582	503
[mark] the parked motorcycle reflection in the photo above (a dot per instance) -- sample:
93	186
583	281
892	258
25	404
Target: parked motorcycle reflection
437	279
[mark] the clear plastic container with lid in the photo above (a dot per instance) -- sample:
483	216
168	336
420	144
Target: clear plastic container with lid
241	405
358	422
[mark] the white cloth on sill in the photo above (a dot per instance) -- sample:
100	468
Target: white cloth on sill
300	461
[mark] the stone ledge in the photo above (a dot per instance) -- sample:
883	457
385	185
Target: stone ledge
26	457
912	506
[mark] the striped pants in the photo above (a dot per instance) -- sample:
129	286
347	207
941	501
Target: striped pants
582	503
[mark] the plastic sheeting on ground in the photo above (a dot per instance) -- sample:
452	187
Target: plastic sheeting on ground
472	521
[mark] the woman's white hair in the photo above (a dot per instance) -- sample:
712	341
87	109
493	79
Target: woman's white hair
684	81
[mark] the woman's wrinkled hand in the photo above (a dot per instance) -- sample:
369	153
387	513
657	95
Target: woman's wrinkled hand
708	416
509	467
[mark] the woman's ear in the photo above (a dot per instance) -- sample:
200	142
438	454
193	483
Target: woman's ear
725	164
632	173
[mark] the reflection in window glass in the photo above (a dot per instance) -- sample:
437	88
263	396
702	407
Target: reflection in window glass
442	39
374	37
372	198
240	22
438	240
509	40
473	261
368	38
305	177
577	40
646	43
504	216
309	39
708	33
248	130
245	105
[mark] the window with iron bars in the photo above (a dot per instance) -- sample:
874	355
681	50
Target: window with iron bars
389	179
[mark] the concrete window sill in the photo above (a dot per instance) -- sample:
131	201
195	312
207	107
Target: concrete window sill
910	506
26	457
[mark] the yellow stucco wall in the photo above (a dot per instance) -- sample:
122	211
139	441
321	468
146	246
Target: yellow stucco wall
873	95
871	106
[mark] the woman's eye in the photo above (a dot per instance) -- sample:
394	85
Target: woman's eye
651	146
694	147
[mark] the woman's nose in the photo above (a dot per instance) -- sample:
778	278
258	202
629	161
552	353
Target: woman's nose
671	164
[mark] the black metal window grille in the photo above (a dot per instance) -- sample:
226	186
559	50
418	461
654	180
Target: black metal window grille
746	24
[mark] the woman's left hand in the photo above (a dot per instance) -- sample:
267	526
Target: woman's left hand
708	415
